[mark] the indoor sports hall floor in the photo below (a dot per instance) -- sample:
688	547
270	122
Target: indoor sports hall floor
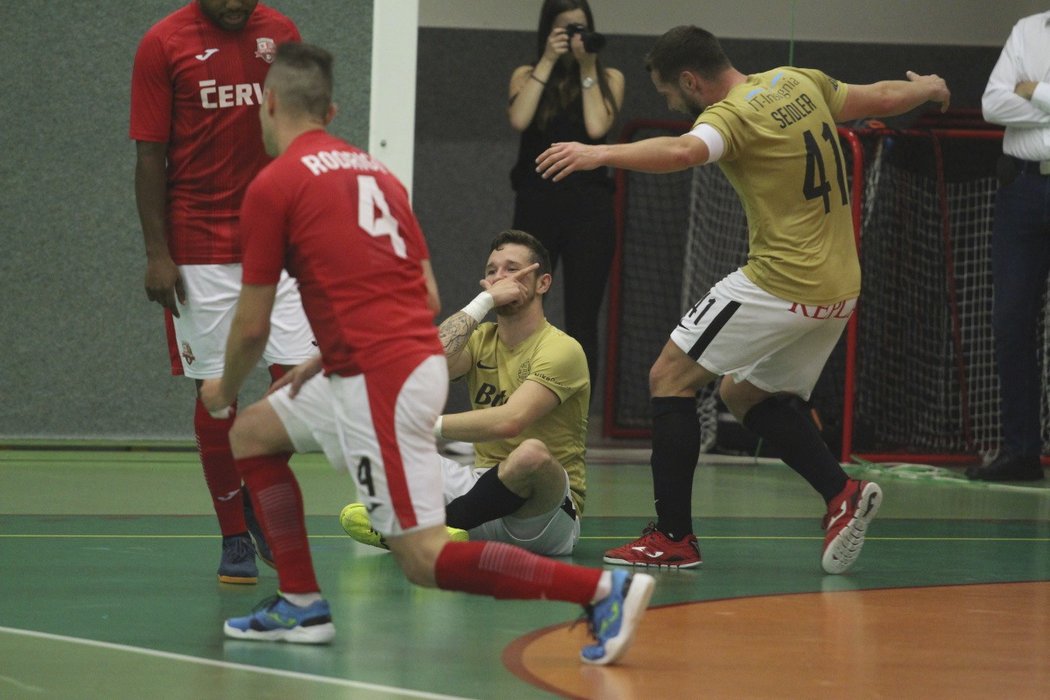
108	590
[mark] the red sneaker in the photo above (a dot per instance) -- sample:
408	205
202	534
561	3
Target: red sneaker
654	548
846	522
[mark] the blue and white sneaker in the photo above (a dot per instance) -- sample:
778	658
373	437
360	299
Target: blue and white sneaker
277	620
613	619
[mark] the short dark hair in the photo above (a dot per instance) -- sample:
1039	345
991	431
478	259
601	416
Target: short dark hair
687	48
301	75
539	252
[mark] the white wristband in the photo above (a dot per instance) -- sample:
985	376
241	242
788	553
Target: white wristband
221	414
479	306
437	428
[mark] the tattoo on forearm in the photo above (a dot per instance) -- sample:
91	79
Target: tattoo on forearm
455	332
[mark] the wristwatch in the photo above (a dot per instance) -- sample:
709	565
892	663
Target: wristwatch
587	82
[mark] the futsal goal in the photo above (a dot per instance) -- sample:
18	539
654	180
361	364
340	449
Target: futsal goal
913	378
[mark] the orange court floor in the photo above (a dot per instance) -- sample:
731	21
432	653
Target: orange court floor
108	590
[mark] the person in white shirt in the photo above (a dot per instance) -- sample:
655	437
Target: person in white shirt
1018	97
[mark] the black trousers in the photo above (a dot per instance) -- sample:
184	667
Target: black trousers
1020	264
578	228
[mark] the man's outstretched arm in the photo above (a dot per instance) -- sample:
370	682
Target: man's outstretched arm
660	154
888	98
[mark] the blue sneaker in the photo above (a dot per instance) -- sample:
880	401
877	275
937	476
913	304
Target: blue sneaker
238	560
277	620
261	548
613	619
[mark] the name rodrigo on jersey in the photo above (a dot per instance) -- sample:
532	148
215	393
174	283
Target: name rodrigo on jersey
324	161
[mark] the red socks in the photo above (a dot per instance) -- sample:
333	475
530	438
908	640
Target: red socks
278	506
224	483
504	571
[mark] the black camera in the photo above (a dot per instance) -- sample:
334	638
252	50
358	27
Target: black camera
593	42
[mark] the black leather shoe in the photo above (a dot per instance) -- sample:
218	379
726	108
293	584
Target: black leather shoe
1009	468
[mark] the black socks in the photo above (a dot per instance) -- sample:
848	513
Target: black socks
487	500
799	444
676	448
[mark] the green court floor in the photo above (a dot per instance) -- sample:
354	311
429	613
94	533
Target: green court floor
108	588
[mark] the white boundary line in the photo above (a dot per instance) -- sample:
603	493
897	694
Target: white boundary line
342	682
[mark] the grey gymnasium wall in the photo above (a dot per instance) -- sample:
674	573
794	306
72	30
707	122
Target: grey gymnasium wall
81	350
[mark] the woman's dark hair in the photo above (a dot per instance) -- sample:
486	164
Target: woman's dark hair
563	86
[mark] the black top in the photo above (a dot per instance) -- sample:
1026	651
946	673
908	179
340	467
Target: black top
565	126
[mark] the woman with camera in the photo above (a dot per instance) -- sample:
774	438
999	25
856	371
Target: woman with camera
568	95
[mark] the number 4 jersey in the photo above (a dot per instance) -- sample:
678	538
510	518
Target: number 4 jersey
783	158
341	223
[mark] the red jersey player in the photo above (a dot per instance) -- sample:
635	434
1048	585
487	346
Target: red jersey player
196	85
341	223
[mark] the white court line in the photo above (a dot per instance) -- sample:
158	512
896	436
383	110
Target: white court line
342	682
21	686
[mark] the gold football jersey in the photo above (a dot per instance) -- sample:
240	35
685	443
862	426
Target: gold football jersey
783	158
556	361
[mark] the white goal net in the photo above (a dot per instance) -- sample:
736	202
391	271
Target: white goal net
924	381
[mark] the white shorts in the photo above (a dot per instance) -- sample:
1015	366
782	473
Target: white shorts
204	321
385	423
744	332
551	534
309	419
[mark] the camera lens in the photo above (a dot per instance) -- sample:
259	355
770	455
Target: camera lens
593	42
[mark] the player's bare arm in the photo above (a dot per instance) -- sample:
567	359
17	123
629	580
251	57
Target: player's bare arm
529	402
249	332
662	154
455	331
163	283
888	98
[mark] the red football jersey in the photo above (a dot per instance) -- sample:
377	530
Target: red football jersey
341	223
197	87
